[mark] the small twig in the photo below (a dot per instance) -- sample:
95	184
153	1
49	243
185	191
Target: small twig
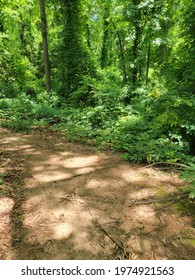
114	241
111	238
165	206
157	228
162	222
172	201
144	202
88	173
157	201
166	163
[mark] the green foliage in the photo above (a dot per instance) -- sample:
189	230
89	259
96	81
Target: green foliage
18	124
44	111
189	177
17	106
74	55
123	74
19	53
136	136
21	113
104	90
84	95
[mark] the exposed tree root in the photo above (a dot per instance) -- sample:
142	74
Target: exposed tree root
171	199
167	163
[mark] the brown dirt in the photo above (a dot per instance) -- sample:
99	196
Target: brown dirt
62	200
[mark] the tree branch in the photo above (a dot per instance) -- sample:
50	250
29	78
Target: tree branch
166	163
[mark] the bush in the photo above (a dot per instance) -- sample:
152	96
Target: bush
18	124
44	111
189	177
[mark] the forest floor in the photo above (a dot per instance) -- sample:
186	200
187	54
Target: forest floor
63	200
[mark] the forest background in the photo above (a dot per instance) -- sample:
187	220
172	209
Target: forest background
116	74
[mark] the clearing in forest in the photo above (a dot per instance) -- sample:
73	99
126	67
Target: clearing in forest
61	200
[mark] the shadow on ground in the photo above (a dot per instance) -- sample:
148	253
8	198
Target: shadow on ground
62	200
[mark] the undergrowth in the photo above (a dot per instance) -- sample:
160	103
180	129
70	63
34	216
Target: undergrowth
189	177
135	133
129	129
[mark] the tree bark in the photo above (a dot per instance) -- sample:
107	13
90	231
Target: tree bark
148	63
122	53
136	43
105	40
45	46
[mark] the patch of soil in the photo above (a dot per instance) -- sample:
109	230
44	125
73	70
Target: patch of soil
62	200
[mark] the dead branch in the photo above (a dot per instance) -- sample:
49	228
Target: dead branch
167	163
171	202
165	206
113	240
159	200
155	229
93	171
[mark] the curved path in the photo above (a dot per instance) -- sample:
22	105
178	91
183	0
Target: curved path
62	200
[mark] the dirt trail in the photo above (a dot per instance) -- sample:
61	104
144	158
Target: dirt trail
67	201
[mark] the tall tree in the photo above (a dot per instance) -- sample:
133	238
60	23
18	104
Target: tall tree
105	39
74	53
45	46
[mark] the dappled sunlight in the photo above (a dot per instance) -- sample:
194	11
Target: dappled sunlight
6	207
101	183
16	140
31	151
62	230
59	223
79	162
142	193
49	176
26	147
144	212
131	176
32	201
7	140
69	202
62	166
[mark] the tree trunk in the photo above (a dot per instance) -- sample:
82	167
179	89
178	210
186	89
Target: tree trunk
122	53
88	36
45	46
105	41
136	43
148	63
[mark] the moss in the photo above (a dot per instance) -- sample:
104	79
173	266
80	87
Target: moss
161	193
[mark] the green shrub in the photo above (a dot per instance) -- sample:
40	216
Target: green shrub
44	111
18	124
189	177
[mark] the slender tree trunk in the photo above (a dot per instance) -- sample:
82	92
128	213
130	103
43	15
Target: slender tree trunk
45	46
105	41
148	63
122	54
1	25
136	43
135	70
88	36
